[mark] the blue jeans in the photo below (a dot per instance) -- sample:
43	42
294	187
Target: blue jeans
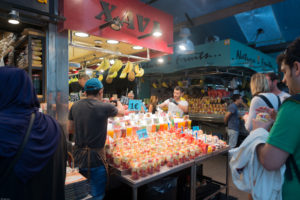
97	181
233	137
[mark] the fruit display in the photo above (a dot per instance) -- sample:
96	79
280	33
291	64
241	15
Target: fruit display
207	105
146	156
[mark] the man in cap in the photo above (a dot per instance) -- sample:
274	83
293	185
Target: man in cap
88	119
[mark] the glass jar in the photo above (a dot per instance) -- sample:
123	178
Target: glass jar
36	83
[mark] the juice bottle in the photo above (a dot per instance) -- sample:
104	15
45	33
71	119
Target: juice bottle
123	132
190	124
110	133
129	131
165	126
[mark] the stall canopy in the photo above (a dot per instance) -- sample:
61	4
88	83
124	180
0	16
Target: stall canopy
225	53
136	19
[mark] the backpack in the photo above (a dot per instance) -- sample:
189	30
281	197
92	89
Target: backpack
291	160
266	100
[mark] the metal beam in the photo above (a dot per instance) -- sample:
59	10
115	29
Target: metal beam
226	12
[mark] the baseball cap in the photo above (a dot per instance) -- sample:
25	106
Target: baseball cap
93	84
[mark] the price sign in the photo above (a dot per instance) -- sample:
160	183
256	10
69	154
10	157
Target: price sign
135	105
196	128
142	133
124	100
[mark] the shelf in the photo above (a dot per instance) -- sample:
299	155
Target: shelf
20	42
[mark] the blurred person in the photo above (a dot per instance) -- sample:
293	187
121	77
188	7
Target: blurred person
130	95
176	105
36	169
283	144
273	81
77	86
88	120
262	97
153	104
232	120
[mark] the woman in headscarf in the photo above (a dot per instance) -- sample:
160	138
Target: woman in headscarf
39	172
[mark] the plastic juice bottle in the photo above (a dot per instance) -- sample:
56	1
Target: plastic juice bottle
117	133
161	127
157	127
123	132
190	124
186	124
129	131
110	133
153	128
165	126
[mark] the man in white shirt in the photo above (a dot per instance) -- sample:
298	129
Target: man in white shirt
273	80
177	105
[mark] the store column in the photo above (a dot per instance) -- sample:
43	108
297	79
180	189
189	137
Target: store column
57	75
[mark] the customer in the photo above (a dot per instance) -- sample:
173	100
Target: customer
283	145
273	81
153	104
232	119
176	105
130	95
88	118
39	171
261	97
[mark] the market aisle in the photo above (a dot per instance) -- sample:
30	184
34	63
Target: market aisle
215	168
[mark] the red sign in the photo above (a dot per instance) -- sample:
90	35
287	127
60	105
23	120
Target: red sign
137	19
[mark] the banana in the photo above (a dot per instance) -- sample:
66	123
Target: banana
113	67
136	69
113	75
109	80
100	78
141	73
130	67
123	75
101	66
106	64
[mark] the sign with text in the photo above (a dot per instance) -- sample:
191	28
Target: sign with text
135	105
124	100
142	133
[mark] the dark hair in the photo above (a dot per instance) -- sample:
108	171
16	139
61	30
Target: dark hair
179	88
272	76
92	92
291	54
235	97
84	76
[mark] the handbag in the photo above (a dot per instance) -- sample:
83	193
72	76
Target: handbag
12	164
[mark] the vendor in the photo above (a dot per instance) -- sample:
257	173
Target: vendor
130	95
176	105
75	88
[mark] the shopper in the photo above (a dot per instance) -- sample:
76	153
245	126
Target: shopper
153	104
273	81
232	120
36	171
283	144
261	97
88	118
176	105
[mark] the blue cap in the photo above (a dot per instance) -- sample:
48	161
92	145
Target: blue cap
93	84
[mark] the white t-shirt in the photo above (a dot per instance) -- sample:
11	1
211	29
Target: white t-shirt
257	102
283	95
174	109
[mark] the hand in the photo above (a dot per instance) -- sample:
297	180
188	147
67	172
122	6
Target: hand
173	101
261	124
270	111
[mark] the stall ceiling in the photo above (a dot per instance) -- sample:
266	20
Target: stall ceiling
261	24
79	55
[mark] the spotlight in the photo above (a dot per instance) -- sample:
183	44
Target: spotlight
137	47
112	41
160	60
13	17
182	47
81	34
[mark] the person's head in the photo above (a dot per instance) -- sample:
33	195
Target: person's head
259	84
290	66
83	79
130	95
272	80
20	97
94	88
237	99
153	100
178	92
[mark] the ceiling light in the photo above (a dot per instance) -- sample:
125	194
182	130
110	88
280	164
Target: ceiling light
112	41
112	61
137	47
101	70
101	58
182	47
98	41
81	34
160	60
157	33
88	62
13	17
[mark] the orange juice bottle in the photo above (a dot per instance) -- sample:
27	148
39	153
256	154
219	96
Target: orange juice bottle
129	131
165	126
110	133
190	124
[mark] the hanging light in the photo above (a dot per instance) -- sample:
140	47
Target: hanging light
13	17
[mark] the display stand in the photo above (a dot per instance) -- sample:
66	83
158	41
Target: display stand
165	171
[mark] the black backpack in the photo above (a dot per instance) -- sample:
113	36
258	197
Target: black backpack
291	160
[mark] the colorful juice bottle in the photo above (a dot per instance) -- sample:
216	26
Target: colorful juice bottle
129	131
110	133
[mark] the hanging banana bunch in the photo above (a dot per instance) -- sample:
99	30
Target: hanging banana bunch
104	65
128	68
139	71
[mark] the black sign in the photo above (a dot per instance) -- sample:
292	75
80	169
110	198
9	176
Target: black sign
128	19
40	5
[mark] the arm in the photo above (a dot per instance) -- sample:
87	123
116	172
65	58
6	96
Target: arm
183	108
150	108
256	102
120	108
271	157
71	127
227	115
164	104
